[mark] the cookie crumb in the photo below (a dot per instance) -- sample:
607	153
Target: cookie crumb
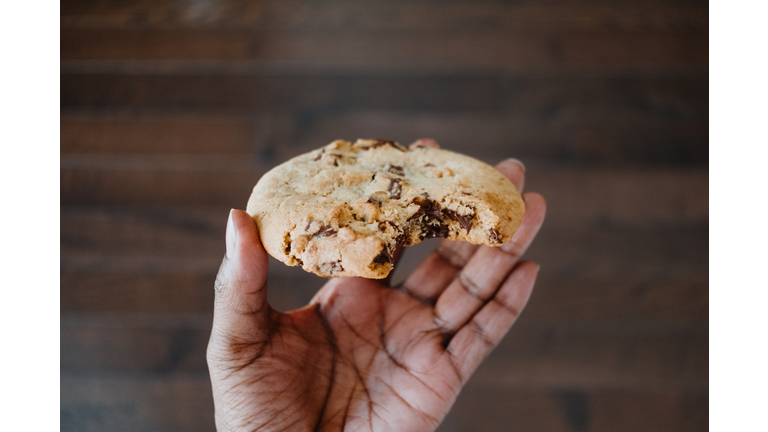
299	243
347	234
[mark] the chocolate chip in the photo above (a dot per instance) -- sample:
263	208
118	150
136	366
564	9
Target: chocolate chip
309	222
325	231
319	155
403	240
427	207
432	231
493	236
395	188
394	169
428	165
425	194
384	257
331	267
464	221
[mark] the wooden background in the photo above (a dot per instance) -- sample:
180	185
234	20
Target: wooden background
171	110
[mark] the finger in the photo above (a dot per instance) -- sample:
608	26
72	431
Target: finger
424	142
474	341
479	280
432	276
514	170
241	312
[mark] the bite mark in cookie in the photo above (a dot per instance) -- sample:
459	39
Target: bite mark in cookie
343	210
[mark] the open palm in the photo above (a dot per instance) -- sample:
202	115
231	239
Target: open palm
363	355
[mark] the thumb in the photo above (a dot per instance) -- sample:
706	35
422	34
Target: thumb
241	313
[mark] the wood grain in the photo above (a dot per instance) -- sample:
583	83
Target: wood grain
136	402
172	110
615	100
158	133
392	48
124	260
398	15
568	140
581	196
573	410
544	357
183	403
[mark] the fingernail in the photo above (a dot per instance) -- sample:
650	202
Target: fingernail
231	236
517	161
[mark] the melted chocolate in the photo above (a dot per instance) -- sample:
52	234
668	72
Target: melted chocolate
395	188
430	210
325	231
432	231
394	169
384	257
464	221
403	240
493	236
427	207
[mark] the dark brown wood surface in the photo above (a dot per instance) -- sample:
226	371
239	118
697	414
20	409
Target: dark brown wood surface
172	110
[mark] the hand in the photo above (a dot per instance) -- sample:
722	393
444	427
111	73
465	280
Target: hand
363	355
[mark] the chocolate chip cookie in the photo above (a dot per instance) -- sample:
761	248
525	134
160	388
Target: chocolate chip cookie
342	210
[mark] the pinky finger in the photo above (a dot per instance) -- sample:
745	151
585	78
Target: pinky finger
473	342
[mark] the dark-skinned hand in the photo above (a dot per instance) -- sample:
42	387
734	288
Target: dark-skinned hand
363	356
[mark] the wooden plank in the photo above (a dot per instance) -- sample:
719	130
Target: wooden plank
158	231
638	302
598	358
134	289
162	185
399	15
643	302
486	137
285	93
137	292
118	261
551	99
608	197
573	410
92	403
608	251
159	133
536	358
489	137
392	48
637	197
127	403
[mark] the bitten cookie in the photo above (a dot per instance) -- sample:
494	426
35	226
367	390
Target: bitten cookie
343	209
